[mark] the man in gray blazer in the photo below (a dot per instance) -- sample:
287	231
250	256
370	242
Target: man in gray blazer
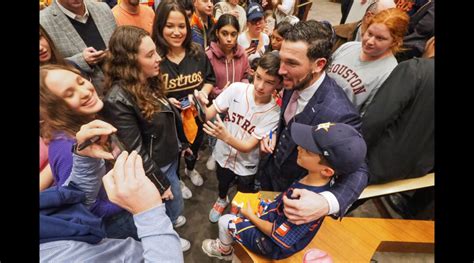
81	31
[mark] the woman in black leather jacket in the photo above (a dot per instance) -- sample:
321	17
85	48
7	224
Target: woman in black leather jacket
136	104
185	67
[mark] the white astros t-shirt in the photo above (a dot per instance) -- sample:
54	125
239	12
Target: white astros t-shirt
243	119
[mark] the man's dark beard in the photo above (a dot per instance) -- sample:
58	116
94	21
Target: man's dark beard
302	84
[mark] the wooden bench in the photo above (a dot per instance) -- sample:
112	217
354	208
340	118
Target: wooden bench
398	186
378	190
357	239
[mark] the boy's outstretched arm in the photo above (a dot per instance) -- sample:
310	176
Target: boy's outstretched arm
210	111
262	225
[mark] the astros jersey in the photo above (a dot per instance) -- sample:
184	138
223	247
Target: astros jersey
243	119
286	238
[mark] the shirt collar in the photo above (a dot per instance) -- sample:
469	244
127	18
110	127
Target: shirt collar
73	15
308	93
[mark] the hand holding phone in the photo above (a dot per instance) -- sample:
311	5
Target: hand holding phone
200	109
115	147
92	139
254	43
184	103
253	47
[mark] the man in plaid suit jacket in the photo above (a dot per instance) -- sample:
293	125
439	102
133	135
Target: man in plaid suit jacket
81	33
304	55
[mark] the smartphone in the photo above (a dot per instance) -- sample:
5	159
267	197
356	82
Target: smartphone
254	43
184	102
115	146
200	110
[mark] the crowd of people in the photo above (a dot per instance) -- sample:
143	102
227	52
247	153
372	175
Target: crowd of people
311	110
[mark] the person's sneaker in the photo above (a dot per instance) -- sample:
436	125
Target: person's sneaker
195	177
187	194
211	248
180	221
211	163
217	209
185	244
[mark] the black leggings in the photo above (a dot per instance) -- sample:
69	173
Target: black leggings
195	146
245	184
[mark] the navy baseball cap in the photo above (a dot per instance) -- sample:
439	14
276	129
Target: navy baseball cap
341	145
254	11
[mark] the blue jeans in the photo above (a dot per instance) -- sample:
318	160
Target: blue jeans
174	208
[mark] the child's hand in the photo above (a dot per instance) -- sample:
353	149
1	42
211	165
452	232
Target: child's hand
247	210
217	129
267	144
201	96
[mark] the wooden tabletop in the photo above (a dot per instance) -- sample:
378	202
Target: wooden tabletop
357	239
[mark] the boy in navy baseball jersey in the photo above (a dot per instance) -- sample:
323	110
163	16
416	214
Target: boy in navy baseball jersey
324	150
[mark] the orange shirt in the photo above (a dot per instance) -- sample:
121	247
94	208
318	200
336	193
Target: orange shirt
143	19
143	2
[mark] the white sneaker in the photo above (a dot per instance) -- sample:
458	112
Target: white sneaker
195	177
218	209
180	221
187	194
185	244
211	163
211	248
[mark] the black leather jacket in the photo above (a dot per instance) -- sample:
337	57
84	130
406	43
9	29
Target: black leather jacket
158	142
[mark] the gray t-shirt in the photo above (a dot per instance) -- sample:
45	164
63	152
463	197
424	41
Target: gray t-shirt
360	80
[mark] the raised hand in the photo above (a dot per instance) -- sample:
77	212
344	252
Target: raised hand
217	129
128	186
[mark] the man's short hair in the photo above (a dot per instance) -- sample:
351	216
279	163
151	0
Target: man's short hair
316	35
